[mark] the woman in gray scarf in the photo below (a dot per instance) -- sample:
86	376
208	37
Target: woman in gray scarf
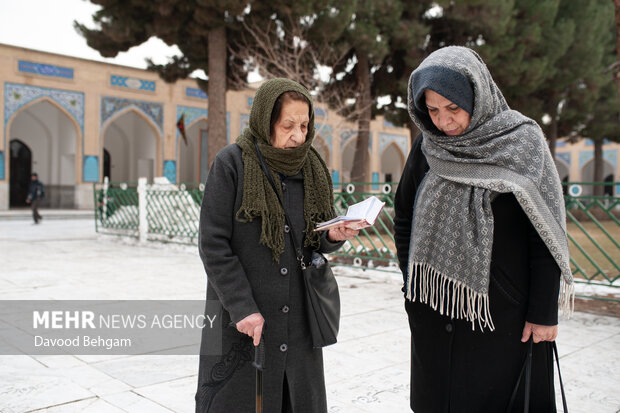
481	240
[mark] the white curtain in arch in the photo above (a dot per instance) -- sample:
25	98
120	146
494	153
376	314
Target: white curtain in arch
132	145
52	137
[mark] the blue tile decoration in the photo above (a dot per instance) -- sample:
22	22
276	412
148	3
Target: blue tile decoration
318	112
589	142
336	179
388	124
560	144
386	139
565	156
584	157
250	101
132	83
375	180
170	171
111	106
193	92
191	115
244	121
326	132
611	156
44	69
16	96
2	178
90	169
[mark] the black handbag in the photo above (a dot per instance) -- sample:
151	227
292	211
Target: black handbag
322	296
527	371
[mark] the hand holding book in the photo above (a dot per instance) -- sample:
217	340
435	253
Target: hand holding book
360	215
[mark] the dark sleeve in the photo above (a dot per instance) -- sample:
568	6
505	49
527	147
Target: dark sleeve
410	180
327	246
224	270
544	282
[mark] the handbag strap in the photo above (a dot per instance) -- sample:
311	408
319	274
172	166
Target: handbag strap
263	164
527	371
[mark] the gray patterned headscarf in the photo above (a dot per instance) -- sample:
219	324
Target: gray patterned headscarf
452	235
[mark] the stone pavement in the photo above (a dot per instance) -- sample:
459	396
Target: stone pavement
367	371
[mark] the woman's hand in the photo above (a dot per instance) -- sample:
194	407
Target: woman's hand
341	234
252	325
539	332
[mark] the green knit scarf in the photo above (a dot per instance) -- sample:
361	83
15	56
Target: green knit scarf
259	200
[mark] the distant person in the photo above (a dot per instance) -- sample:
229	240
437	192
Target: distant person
480	232
36	191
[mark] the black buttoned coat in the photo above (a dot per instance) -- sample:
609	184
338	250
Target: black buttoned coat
244	277
455	369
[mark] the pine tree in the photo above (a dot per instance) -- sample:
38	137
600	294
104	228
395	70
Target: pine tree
198	27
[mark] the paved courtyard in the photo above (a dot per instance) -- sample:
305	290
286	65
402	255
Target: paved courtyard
367	371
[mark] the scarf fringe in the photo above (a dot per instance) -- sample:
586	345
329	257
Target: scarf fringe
566	301
448	296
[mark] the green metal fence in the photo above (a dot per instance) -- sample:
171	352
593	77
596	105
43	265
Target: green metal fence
593	233
116	208
172	212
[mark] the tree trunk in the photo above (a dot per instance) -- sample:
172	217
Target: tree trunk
616	73
216	125
598	166
361	161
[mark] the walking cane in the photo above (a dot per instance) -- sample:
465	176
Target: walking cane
259	363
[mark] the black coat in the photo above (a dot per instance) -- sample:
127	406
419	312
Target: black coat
243	276
36	190
457	369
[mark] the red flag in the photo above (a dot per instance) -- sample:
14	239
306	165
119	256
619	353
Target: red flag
181	127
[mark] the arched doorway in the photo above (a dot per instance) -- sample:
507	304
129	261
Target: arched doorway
21	169
609	188
587	174
392	162
192	160
51	136
132	146
106	164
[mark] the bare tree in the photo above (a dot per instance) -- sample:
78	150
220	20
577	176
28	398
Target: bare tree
282	49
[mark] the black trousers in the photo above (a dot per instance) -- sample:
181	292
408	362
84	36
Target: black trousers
35	211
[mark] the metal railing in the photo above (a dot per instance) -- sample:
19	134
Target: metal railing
171	213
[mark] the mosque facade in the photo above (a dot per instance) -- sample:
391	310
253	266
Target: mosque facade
75	121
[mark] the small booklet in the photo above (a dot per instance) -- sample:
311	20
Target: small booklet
360	215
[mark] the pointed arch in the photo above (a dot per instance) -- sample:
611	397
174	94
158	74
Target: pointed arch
47	99
152	126
392	162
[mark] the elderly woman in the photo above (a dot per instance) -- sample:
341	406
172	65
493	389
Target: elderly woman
481	240
250	261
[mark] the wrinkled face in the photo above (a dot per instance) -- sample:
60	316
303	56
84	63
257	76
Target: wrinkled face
291	128
447	116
